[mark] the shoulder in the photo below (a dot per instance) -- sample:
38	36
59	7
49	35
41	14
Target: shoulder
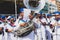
59	21
43	19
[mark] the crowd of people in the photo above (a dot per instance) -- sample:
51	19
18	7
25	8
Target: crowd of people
46	26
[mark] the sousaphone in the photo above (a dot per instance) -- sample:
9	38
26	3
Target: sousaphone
33	5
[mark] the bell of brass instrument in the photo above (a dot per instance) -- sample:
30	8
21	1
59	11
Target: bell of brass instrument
34	5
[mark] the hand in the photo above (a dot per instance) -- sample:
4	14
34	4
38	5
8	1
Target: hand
51	26
0	29
22	25
10	30
58	24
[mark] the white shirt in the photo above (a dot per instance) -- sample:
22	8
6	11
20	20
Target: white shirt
59	22
8	26
53	21
44	20
1	25
26	14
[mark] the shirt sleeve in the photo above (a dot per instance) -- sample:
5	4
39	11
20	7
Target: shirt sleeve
59	22
1	25
53	22
8	27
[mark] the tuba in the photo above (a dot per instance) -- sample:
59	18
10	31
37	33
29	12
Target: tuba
33	5
25	30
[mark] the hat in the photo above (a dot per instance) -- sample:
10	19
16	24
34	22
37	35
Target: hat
49	15
41	12
21	9
56	13
3	17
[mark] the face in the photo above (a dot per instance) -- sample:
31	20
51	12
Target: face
12	20
44	15
22	14
38	15
48	16
57	16
4	20
31	16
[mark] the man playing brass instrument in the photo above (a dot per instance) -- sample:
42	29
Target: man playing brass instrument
56	24
23	25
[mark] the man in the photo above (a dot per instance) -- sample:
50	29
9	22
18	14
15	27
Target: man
40	29
37	25
3	20
26	17
43	26
10	28
1	28
56	34
48	27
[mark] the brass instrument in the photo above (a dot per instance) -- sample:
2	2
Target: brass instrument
24	31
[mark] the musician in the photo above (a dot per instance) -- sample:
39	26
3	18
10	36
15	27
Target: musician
57	26
43	26
23	15
10	28
37	25
26	16
1	28
39	28
3	20
48	27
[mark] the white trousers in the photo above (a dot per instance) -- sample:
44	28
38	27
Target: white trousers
48	33
39	34
10	36
28	37
56	34
5	36
1	37
43	30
